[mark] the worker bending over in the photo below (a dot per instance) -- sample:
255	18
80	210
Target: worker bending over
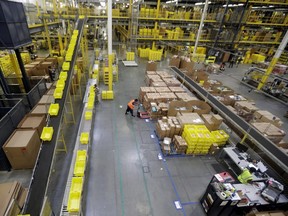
130	107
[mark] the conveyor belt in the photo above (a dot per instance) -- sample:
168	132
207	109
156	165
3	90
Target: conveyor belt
271	149
41	172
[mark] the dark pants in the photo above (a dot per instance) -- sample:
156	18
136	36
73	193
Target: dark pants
129	110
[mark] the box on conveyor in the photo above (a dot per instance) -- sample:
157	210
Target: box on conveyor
143	91
22	148
177	89
212	121
265	116
180	144
247	106
167	127
33	122
13	196
270	131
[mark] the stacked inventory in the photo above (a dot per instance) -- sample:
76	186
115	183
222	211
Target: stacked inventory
168	127
199	139
180	145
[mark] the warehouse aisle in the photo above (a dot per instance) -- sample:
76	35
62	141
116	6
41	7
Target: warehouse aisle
125	175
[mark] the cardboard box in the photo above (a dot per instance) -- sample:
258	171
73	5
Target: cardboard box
200	107
189	119
172	82
158	84
12	196
33	122
151	66
177	106
151	73
265	116
270	131
46	99
162	89
22	148
212	122
174	62
185	97
164	74
214	149
177	89
40	109
246	106
180	144
143	91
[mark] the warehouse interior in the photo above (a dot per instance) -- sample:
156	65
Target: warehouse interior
208	130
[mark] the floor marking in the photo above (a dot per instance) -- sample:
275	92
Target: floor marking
178	205
152	136
190	203
160	156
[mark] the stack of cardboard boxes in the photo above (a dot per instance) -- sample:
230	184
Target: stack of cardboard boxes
180	145
270	131
245	109
265	116
13	196
168	127
212	121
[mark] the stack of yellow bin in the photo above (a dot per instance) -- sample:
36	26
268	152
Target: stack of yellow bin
199	139
130	56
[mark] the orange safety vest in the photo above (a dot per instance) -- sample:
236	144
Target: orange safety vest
130	104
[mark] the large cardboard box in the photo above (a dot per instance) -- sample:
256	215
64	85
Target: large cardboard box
174	62
212	121
164	74
151	66
143	91
22	148
183	96
200	107
265	116
270	131
158	84
162	89
172	82
33	122
189	119
177	89
177	106
12	196
47	99
40	109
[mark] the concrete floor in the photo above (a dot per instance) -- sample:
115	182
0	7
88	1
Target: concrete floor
125	176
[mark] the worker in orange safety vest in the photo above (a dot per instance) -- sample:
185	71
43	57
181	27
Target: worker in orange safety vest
130	106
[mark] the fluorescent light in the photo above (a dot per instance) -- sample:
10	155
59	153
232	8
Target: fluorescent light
202	3
233	5
103	4
172	1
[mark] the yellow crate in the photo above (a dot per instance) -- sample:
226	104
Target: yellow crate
77	184
58	93
110	95
81	155
84	138
54	109
47	133
63	75
60	84
88	115
79	168
90	105
74	201
104	94
66	66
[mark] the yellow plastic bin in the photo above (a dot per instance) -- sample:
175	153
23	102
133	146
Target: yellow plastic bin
47	133
58	93
60	84
81	155
77	184
74	201
63	75
84	138
79	168
88	115
54	109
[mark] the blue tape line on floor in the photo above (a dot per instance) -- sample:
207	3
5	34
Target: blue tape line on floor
166	168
